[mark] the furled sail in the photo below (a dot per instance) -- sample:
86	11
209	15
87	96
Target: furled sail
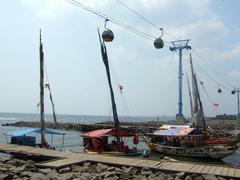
197	115
114	109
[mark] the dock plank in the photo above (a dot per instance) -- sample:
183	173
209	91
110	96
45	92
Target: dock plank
68	158
59	163
218	170
206	169
231	172
237	172
212	170
185	167
224	171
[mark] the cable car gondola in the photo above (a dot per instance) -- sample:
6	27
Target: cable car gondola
107	34
158	43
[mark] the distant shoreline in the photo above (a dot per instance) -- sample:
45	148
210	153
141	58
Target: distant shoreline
129	126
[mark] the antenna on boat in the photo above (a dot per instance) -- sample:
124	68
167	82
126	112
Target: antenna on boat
41	54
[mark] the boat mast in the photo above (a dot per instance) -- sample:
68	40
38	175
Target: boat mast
190	96
114	108
43	140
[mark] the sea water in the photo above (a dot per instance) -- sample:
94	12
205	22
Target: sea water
72	141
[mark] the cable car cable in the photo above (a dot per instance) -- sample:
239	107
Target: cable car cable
113	20
219	74
145	19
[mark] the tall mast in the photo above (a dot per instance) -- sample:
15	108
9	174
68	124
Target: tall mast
198	108
43	140
114	109
190	96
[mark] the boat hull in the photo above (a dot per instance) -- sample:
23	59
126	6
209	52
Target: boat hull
115	153
197	152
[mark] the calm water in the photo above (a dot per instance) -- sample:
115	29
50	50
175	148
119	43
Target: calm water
73	140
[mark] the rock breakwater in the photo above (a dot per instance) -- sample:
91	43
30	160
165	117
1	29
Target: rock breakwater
25	169
131	127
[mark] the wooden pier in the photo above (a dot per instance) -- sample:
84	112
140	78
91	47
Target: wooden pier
61	159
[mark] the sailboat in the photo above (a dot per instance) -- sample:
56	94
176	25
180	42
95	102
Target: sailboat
191	140
22	136
97	141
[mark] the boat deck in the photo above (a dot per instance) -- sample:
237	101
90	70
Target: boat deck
64	158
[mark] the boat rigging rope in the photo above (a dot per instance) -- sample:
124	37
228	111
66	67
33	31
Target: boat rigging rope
35	114
50	94
117	84
217	73
209	98
207	73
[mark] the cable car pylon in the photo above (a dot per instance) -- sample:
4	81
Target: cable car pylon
180	45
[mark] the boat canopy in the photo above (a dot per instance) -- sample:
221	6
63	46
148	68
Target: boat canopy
105	132
173	131
22	132
97	133
169	126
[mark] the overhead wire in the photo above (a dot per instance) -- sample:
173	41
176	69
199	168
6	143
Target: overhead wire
113	20
216	72
138	14
155	26
139	32
145	19
208	74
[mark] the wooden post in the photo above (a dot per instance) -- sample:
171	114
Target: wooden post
43	140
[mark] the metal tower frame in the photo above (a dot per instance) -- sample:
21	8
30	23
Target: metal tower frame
180	45
237	90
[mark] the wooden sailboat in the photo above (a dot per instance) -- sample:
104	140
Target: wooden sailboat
42	87
97	141
22	136
191	140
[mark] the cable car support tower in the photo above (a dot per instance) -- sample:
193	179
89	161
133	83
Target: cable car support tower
180	45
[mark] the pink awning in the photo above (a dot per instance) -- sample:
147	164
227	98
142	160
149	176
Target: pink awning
97	133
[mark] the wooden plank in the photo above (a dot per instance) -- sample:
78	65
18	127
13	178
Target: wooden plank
175	166
231	172
136	163
163	164
186	167
212	170
59	163
194	168
218	170
237	173
224	171
147	164
205	169
169	166
153	165
77	157
198	168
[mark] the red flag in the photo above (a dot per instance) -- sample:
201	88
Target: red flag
121	88
216	105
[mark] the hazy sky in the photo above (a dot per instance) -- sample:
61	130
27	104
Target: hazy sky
149	76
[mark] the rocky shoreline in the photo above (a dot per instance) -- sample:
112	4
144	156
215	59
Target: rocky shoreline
224	125
131	127
17	169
